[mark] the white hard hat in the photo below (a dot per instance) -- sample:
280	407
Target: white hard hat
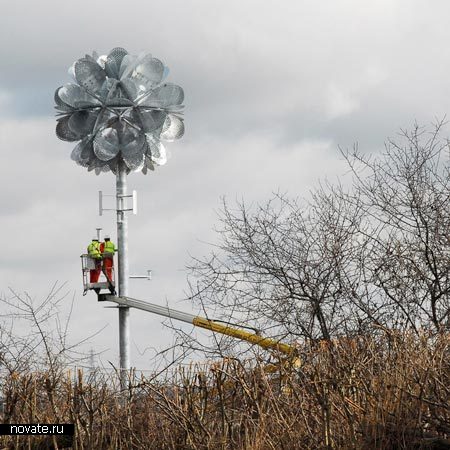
107	236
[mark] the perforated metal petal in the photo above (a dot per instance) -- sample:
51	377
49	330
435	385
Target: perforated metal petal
64	132
60	105
90	58
82	122
101	61
102	169
118	96
103	92
152	120
89	74
95	163
76	153
156	150
117	53
148	72
113	165
105	118
164	96
106	144
134	162
87	152
133	146
127	65
71	72
83	153
73	95
69	94
129	88
114	60
127	134
174	130
148	165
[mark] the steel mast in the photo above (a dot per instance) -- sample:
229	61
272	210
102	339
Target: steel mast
123	272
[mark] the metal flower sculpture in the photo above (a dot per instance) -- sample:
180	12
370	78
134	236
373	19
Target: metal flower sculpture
120	110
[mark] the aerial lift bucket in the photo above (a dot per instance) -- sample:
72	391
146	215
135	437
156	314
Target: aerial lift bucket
88	264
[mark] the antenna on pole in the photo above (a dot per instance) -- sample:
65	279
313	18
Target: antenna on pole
142	277
100	203
134	209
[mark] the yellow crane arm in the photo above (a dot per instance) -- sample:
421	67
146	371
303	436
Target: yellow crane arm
202	322
264	342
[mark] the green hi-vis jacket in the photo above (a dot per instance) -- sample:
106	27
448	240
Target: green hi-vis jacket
94	250
109	248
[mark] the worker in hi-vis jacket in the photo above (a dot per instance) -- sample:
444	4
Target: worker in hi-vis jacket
107	250
95	253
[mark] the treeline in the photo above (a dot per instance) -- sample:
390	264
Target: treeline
387	391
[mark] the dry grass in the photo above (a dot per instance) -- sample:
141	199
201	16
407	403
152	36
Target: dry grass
385	392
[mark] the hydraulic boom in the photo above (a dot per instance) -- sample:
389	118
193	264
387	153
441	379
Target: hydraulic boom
202	322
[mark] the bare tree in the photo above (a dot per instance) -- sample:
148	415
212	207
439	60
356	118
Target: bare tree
405	194
374	254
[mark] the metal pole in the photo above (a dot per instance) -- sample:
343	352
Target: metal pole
122	246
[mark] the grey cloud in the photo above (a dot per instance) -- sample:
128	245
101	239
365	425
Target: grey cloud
270	93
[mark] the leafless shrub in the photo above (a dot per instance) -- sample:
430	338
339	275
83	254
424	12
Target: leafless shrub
367	392
375	253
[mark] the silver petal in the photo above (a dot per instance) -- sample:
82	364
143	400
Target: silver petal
127	135
83	153
60	104
73	95
175	129
127	65
130	89
102	169
118	96
149	163
89	74
148	72
106	144
164	96
64	132
113	61
95	163
82	122
156	150
151	120
133	149
134	146
76	153
134	162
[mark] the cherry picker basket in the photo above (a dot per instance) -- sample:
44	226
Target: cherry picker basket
88	264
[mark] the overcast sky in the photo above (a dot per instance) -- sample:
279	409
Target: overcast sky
272	88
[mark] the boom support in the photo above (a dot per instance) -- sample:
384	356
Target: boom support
202	322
